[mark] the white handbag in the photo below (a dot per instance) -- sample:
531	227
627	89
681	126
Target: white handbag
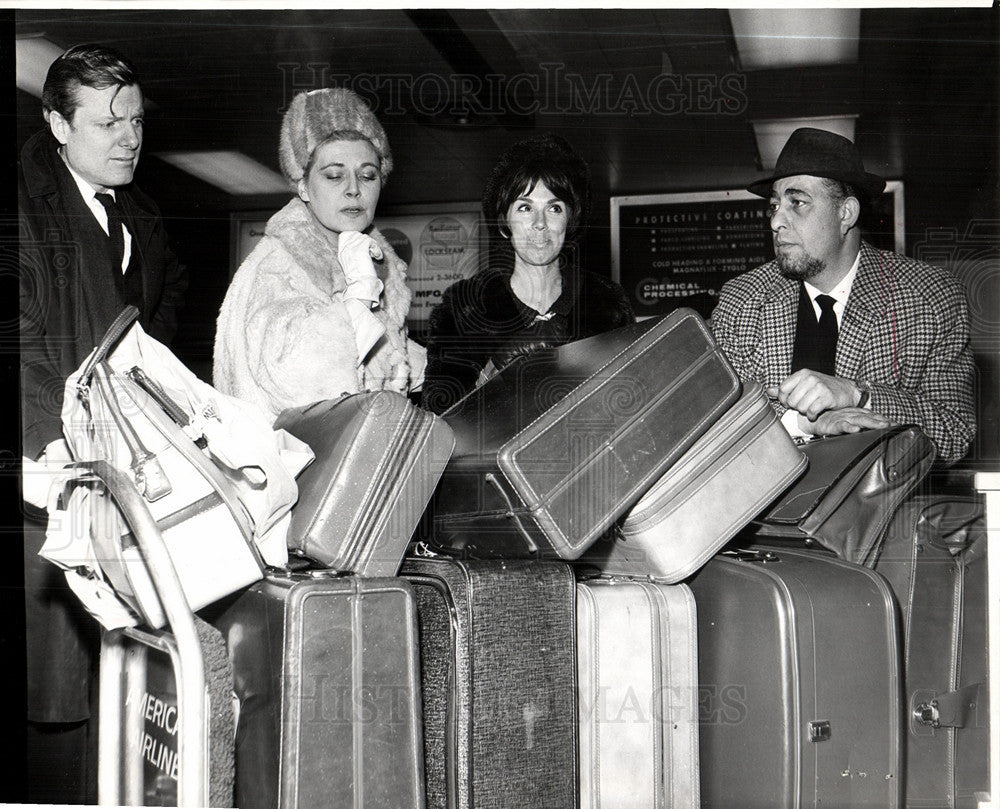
217	479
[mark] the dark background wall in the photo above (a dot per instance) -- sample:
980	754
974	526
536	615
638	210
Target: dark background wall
925	88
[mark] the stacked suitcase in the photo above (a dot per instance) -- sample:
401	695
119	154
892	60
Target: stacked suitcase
567	632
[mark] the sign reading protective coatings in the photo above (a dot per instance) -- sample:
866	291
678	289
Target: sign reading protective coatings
671	250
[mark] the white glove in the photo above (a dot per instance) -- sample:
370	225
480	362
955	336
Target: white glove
355	252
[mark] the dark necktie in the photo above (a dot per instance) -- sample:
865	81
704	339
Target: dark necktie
827	332
114	228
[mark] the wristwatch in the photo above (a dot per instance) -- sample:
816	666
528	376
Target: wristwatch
865	389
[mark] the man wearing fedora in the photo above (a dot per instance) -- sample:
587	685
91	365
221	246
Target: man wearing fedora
845	336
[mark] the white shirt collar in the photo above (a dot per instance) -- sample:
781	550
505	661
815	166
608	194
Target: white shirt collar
839	293
87	191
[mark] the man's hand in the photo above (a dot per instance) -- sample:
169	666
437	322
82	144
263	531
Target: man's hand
812	393
38	477
844	420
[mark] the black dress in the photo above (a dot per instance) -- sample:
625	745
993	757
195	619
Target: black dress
480	323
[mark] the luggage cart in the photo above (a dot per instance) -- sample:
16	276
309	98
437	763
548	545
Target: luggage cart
124	654
989	484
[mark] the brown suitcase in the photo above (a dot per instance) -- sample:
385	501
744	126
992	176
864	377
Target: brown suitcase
326	673
934	558
559	444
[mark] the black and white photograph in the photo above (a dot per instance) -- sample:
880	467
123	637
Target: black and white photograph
550	407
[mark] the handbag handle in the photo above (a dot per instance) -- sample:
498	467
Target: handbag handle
118	327
150	478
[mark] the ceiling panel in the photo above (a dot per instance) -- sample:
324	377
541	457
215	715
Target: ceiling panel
651	97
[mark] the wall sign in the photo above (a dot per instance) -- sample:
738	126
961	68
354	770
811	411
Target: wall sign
671	250
441	244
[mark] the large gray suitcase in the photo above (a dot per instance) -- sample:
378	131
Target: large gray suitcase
799	681
558	445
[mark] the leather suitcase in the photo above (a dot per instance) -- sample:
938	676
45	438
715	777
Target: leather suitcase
559	444
799	683
326	673
638	674
934	558
729	475
378	459
498	677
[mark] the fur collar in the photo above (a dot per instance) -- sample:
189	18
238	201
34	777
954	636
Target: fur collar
300	234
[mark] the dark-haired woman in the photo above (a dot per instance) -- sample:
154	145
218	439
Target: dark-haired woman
532	293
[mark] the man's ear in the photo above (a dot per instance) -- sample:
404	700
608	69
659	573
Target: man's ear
850	210
60	127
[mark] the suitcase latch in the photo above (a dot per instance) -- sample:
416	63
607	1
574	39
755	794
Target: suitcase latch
820	731
950	710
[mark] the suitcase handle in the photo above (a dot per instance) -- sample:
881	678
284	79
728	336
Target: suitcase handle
511	514
745	555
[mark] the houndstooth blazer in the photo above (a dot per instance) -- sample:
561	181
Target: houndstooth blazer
905	332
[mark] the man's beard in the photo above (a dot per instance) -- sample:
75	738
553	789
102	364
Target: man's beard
802	267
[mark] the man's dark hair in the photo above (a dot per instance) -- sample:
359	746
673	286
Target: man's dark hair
841	191
96	66
547	159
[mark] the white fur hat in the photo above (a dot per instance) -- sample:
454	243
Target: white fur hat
315	115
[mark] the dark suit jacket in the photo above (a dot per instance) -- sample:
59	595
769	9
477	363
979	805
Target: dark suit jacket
68	297
905	331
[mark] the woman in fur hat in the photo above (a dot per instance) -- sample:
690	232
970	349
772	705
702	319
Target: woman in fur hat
533	292
318	309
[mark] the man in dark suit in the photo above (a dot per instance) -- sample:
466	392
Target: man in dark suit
90	243
844	336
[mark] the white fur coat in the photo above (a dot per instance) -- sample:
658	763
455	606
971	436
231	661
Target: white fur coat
284	337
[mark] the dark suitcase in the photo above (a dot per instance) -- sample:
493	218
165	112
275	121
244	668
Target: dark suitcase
799	683
559	444
729	475
498	677
638	673
327	676
378	459
934	558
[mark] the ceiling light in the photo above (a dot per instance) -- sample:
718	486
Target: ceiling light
233	172
781	37
773	133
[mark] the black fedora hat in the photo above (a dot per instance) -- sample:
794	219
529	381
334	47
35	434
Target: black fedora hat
819	153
